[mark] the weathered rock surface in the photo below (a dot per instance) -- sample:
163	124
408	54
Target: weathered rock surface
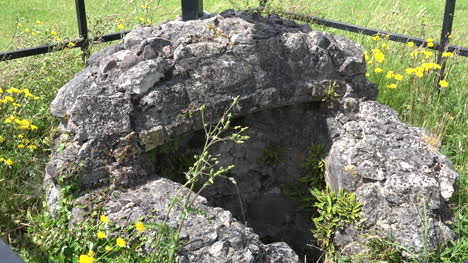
143	93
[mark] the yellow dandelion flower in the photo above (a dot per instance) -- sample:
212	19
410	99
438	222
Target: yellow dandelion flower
20	25
369	62
33	34
384	45
21	146
423	20
149	21
452	118
449	36
367	74
410	44
419	74
20	136
387	36
389	74
366	55
36	98
9	162
33	127
409	71
120	26
379	57
91	253
25	140
392	86
71	44
120	242
86	259
428	54
414	53
447	54
377	70
443	83
27	30
108	248
2	159
142	19
101	235
2	139
398	76
408	107
430	44
429	40
58	39
38	22
139	226
104	219
32	147
53	33
376	50
376	37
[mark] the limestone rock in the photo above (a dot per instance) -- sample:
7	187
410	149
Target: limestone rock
296	88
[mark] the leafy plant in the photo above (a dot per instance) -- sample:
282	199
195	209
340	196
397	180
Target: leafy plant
271	155
335	212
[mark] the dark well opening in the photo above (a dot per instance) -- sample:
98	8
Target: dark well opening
269	168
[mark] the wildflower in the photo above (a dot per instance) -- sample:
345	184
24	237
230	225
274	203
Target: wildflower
27	30
20	136
25	140
379	57
53	33
2	159
120	26
108	248
104	219
367	74
9	162
430	44
71	44
408	107
101	235
376	50
428	66
370	62
91	253
149	21
410	44
142	19
366	55
20	25
2	139
384	45
419	74
409	71
58	39
38	22
377	70
429	40
86	259
33	127
120	242
21	146
33	34
376	37
428	54
32	147
392	86
398	76
443	83
414	53
447	54
449	36
423	20
452	118
389	74
139	226
36	98
387	36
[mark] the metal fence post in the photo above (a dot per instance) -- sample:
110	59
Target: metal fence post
82	26
192	9
444	37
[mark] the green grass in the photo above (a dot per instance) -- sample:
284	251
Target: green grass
416	99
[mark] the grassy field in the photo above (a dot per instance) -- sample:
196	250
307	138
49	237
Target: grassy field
31	83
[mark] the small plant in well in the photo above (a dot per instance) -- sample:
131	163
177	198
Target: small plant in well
271	155
335	211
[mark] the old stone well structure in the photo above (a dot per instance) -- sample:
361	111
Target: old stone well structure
297	88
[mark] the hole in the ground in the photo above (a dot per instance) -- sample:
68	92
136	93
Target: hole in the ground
267	190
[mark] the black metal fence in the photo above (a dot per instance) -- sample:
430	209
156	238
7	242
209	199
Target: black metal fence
193	9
